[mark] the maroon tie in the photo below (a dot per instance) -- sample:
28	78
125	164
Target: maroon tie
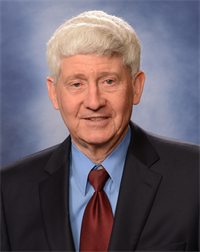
98	218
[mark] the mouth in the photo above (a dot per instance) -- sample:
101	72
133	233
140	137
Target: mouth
97	118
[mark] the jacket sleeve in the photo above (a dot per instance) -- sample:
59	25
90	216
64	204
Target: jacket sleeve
199	234
4	242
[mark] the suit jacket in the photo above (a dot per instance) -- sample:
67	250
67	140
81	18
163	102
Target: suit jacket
157	208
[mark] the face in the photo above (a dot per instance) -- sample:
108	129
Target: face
95	95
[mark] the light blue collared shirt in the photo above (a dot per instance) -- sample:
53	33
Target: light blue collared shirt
80	190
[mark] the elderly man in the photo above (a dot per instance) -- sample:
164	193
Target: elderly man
110	186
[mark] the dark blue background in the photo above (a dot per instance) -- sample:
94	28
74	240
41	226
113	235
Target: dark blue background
169	35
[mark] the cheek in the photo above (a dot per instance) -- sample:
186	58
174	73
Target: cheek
123	103
68	106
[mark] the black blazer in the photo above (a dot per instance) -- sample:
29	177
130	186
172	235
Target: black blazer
157	208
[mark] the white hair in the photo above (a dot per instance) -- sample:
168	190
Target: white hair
93	32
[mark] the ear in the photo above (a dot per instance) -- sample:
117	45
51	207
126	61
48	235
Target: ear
138	84
52	91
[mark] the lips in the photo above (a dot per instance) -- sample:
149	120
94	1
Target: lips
97	118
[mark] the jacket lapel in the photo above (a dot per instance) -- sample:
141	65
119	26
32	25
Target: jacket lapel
54	193
138	189
137	192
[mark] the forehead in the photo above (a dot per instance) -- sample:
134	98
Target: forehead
91	63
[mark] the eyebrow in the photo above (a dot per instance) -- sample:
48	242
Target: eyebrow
109	73
75	76
82	76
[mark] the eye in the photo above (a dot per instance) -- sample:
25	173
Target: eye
76	85
109	81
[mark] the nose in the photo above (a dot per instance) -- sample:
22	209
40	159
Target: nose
93	99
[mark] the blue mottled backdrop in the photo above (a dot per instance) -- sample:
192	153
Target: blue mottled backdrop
169	35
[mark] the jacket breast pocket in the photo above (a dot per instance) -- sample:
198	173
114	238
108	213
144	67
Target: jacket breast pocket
180	246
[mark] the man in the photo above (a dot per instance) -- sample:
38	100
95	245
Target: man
149	200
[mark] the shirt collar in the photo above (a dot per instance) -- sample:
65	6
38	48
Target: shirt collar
114	164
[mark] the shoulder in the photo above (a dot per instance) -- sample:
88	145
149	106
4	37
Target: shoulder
171	153
32	165
161	143
166	146
176	161
177	157
37	159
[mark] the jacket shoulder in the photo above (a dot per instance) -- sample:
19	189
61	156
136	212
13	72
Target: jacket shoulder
34	163
177	157
170	152
26	171
172	145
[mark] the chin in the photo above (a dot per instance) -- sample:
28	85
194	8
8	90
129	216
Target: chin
96	139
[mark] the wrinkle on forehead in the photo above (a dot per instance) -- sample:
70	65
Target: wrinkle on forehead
81	66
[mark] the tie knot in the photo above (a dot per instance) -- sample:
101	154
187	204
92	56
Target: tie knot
98	179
